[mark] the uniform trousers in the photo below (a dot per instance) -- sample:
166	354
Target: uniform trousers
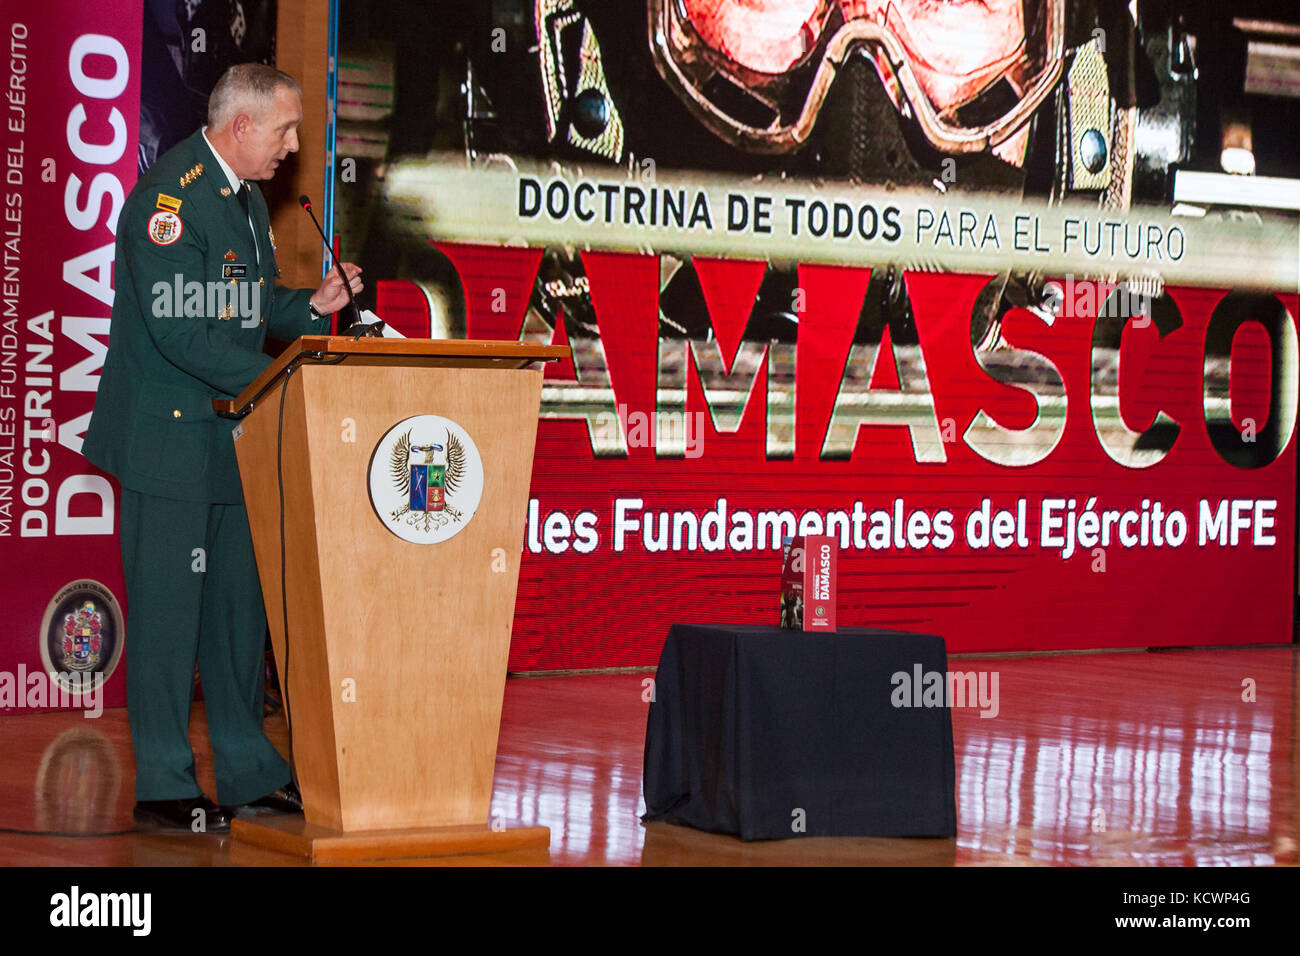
193	595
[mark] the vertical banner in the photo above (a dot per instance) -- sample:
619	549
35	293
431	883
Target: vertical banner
71	107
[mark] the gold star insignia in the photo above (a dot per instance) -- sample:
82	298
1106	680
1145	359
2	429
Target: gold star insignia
192	174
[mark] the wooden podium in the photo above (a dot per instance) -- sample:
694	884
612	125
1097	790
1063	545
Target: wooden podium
398	587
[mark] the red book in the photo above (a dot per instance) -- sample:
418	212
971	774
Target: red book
808	590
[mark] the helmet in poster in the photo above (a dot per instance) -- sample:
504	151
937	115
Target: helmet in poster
756	72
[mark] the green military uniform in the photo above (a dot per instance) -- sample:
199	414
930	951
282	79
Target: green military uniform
176	343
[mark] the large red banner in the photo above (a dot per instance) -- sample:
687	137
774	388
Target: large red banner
1079	506
71	104
976	289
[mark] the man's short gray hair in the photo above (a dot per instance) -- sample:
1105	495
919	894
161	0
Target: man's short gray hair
245	87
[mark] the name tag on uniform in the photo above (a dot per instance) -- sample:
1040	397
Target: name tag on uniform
234	270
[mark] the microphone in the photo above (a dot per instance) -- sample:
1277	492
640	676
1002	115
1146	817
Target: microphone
355	327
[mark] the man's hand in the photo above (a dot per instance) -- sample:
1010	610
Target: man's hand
331	296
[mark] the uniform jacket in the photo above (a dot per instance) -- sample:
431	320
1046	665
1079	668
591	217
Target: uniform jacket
192	308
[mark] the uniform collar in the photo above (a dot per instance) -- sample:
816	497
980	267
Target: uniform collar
235	181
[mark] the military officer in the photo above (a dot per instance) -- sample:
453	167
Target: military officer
195	298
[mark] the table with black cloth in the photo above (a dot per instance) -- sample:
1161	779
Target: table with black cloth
772	734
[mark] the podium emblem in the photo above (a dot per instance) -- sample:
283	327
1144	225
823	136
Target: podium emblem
426	479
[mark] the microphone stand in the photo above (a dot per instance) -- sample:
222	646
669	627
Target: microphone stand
357	329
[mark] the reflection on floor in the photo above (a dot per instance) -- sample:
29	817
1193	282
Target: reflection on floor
1164	758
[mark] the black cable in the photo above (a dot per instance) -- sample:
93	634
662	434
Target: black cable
284	593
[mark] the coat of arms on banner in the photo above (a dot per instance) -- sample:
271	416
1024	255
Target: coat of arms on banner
426	479
81	637
81	633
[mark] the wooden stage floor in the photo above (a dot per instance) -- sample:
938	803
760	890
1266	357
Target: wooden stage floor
1146	758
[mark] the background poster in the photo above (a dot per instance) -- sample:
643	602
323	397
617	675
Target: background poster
71	99
76	131
924	277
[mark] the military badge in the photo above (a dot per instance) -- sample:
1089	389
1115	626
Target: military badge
230	255
165	228
426	479
192	174
225	192
169	203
